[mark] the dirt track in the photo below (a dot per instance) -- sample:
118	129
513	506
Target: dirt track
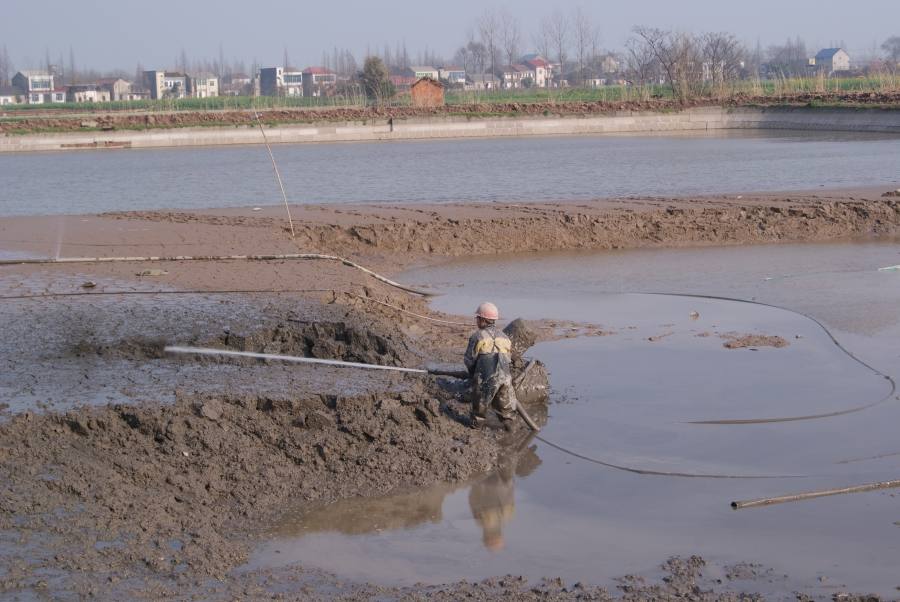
153	499
27	122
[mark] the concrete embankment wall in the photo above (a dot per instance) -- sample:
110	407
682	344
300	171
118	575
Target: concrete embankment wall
691	120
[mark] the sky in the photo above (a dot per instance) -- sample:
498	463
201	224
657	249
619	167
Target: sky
109	34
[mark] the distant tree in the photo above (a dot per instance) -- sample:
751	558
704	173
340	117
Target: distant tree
6	66
510	35
488	31
891	48
641	66
788	60
586	39
724	57
73	77
181	61
678	56
478	53
558	27
376	80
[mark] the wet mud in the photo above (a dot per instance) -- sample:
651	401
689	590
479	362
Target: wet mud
126	473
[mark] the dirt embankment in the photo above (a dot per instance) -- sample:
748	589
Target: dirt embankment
408	234
110	121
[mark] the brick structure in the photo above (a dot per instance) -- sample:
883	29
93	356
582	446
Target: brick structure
427	92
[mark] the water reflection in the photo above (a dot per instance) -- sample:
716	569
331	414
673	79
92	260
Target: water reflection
493	501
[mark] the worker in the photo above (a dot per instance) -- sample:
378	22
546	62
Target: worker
488	361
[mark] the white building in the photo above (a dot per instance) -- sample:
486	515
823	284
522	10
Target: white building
204	85
36	86
831	60
420	71
280	81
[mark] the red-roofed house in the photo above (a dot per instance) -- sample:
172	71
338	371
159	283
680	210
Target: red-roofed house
541	68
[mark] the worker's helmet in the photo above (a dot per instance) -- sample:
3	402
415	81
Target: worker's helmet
487	311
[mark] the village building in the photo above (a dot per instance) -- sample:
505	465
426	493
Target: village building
831	60
118	88
280	81
87	93
482	82
318	81
166	84
420	71
203	85
59	94
36	86
517	76
9	95
238	84
427	92
455	76
541	67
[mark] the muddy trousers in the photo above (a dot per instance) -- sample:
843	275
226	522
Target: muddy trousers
503	401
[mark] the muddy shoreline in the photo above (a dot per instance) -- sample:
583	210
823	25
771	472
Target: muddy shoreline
153	499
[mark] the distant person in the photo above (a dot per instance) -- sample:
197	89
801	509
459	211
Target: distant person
488	362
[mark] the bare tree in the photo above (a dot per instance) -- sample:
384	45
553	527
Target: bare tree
678	57
478	52
585	37
789	60
642	68
73	75
558	28
723	58
510	35
6	66
488	32
891	48
543	38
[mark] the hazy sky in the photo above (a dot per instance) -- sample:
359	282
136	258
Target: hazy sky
107	34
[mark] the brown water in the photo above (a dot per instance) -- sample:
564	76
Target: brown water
628	401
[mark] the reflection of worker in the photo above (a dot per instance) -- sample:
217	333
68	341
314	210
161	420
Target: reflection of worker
488	362
492	500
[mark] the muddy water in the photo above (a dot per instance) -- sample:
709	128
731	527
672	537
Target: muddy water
629	399
437	171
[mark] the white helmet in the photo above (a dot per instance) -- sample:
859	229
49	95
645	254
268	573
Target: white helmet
487	311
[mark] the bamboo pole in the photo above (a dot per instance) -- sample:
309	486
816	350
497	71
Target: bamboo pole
799	497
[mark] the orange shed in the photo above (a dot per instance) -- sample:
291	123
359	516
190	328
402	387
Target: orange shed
427	92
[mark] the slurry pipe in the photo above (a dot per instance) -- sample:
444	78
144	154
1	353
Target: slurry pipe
284	256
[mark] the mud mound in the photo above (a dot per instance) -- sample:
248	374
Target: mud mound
149	491
736	341
323	340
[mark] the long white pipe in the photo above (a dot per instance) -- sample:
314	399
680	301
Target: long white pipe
287	358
